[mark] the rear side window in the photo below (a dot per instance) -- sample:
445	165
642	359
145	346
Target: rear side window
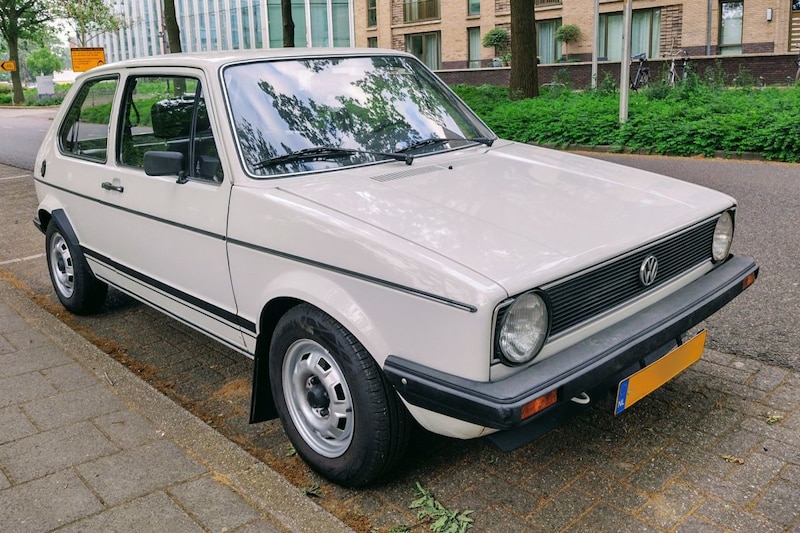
84	132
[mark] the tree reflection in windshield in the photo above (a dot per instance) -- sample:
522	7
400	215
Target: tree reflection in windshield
379	104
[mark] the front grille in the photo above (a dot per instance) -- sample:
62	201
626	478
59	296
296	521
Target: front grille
600	289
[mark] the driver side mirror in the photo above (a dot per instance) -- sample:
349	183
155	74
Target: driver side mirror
161	163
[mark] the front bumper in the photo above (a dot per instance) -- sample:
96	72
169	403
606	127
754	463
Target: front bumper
580	368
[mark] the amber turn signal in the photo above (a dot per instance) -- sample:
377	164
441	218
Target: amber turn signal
539	404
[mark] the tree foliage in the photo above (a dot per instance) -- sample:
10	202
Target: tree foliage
43	62
88	18
22	19
524	82
568	33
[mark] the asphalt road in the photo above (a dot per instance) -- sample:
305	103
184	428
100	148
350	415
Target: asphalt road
21	133
763	323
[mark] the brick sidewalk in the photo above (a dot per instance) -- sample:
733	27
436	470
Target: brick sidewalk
87	444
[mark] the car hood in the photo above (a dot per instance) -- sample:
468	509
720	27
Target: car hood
516	214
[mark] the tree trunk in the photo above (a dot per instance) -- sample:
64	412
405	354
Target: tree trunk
288	23
18	97
171	26
524	81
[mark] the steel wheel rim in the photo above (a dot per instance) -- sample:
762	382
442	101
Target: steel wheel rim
61	266
309	375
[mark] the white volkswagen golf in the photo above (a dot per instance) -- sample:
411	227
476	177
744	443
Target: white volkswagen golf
342	218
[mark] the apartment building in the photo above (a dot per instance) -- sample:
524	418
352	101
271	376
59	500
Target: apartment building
448	34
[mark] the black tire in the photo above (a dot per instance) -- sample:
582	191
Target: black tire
342	416
75	285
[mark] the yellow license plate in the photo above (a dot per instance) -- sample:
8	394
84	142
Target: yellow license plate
637	386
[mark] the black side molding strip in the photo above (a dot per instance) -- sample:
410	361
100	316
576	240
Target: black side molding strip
222	314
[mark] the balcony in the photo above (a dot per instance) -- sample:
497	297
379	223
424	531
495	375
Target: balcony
546	3
421	10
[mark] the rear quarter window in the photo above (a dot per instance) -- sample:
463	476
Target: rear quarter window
84	131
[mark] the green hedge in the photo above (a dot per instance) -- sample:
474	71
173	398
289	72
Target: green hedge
693	119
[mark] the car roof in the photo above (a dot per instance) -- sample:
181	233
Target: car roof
213	60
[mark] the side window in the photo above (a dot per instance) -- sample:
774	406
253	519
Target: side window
168	114
84	132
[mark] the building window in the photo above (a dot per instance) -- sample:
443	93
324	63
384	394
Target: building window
426	47
730	28
473	7
416	10
794	27
474	47
645	34
372	13
548	48
372	42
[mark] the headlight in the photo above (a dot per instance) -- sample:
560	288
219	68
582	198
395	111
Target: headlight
524	328
723	237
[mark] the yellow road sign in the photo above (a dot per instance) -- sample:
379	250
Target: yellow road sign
84	59
8	66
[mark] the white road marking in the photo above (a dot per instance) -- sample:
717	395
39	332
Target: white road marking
21	259
16	177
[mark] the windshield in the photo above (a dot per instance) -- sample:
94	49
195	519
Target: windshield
373	106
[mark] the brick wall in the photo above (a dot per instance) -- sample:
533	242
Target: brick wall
773	68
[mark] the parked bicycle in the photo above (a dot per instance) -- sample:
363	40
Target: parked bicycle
642	77
672	76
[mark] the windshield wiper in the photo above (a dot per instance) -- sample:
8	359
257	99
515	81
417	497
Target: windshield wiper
321	153
442	140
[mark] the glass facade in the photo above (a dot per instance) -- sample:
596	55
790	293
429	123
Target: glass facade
210	25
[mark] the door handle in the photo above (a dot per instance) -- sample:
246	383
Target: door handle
107	185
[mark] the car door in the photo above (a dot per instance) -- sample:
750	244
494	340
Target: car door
162	237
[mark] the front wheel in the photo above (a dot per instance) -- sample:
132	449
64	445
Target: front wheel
334	402
75	285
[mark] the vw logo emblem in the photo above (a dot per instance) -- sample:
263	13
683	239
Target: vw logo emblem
648	270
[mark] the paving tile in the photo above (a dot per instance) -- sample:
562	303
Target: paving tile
757	471
154	513
738	443
780	431
696	525
610	491
671	506
604	519
14	424
768	377
46	503
73	406
723	489
564	508
133	473
128	429
31	359
5	346
781	450
259	526
26	338
734	518
791	473
45	453
23	388
215	505
503	494
69	377
655	473
780	502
